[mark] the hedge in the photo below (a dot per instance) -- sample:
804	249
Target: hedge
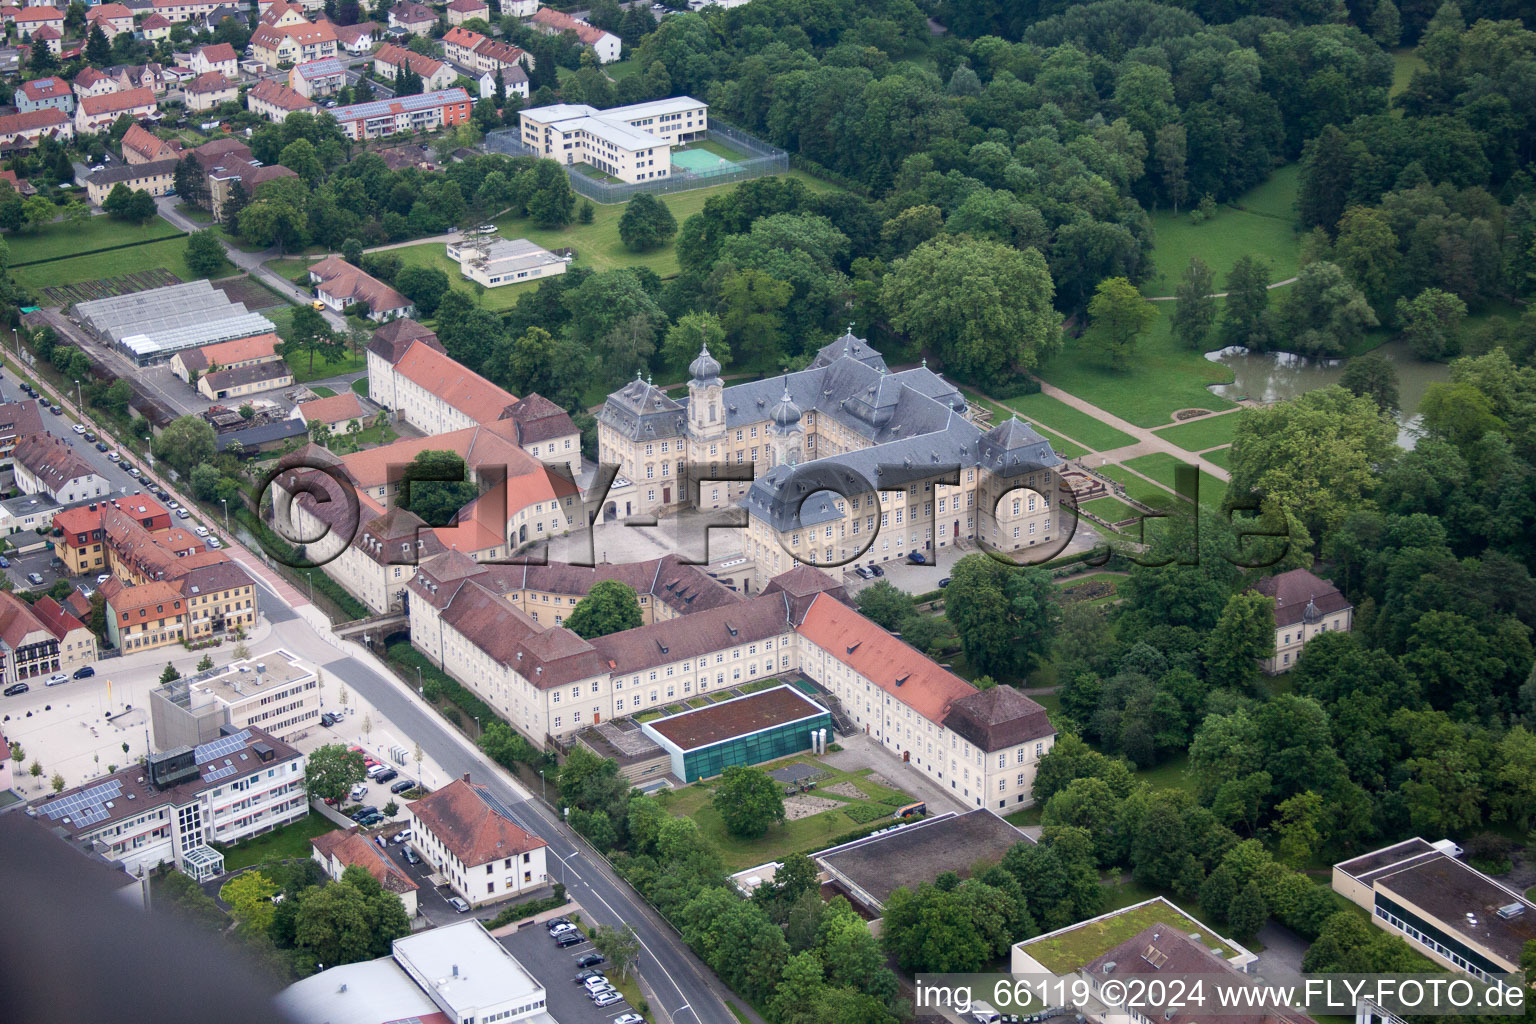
518	911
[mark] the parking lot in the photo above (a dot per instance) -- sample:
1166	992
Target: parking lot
556	968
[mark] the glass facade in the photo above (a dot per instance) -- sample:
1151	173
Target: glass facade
768	745
1433	937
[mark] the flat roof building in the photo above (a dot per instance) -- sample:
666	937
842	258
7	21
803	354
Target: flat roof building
1445	909
872	868
632	143
274	691
493	261
759	727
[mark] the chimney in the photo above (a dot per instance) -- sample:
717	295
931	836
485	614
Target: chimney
455	970
466	776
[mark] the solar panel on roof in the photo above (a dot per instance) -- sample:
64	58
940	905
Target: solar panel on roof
221	747
85	807
222	773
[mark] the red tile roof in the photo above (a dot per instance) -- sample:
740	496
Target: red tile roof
462	817
279	95
420	63
461	388
17	620
343	280
217	53
340	408
562	22
47	117
113	101
209	81
45	88
28	15
54	618
1294	591
348	847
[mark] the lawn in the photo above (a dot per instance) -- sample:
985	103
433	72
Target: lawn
598	174
1111	510
1066	952
59	240
1061	418
1160	467
434	254
323	368
194	213
1404	64
1163	377
286	843
620	70
1001	413
360	386
1202	433
1260	222
167	254
1171	774
801	836
323	392
1144	491
1221	457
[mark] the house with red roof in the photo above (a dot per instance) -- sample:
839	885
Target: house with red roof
208	90
142	146
339	284
469	837
47	35
52	91
97	113
551	22
21	131
155	28
91	82
343	848
275	101
218	57
114	19
460	11
29	19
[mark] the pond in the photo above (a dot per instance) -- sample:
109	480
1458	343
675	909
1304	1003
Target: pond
1267	377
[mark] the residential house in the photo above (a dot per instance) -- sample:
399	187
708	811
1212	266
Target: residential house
190	363
21	131
342	413
469	837
281	14
551	22
156	177
18	420
275	101
220	385
417	19
21	186
185	10
293	44
155	28
149	76
318	77
169	809
460	11
208	90
389	61
477	53
519	8
220	57
1305	607
47	35
359	39
142	146
28	648
29	19
237	165
77	644
98	113
340	849
45	464
40	93
513	80
114	19
339	284
90	82
425	112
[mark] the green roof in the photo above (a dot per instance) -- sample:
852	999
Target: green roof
1067	950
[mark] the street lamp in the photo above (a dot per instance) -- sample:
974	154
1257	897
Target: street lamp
149	454
543	792
309	575
225	503
79	404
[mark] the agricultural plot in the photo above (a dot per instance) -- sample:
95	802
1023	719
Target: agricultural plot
105	288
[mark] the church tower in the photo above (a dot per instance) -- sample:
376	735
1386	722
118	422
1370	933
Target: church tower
706	402
788	434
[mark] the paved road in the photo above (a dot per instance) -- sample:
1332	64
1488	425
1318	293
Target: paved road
251	262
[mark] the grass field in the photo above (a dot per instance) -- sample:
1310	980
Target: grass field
1111	509
1404	64
1163	377
167	254
324	392
59	240
598	174
286	843
1001	413
360	386
1221	457
1144	491
1259	222
299	363
1200	434
1160	467
1058	416
801	836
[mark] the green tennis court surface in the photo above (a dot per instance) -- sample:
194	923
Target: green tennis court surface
700	162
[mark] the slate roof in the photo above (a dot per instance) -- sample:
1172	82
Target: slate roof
997	718
538	419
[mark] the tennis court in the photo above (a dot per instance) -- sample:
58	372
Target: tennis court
699	161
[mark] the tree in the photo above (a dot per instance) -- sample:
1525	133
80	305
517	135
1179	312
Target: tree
1217	893
250	896
57	782
1372	376
309	331
1118	316
332	771
1386	24
751	307
983	307
609	607
748	801
36	770
1245	320
1170	150
1194	312
1318	456
350	920
424	286
98	48
1244	634
885	605
169	674
1297	828
205	663
646	224
205	255
127	204
551	203
1324	313
1432	323
187	442
352	252
390	809
620	946
1247	913
692	333
434	486
43	61
1005	616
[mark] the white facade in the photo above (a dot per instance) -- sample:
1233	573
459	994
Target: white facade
68	492
632	143
496	261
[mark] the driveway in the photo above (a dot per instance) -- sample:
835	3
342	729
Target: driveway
556	969
250	262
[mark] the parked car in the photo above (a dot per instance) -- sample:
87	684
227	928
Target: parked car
589	960
16	689
371	820
403	836
629	1018
363	812
410	856
103	578
571	938
877	570
214	542
102	446
57	679
85	672
35	579
78	428
133	472
458	904
607	998
916	558
328	719
555	922
5	563
943	582
114	456
57	410
90	435
561	929
596	981
359	791
861	572
386	775
182	513
201	531
376	769
582	977
402	786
